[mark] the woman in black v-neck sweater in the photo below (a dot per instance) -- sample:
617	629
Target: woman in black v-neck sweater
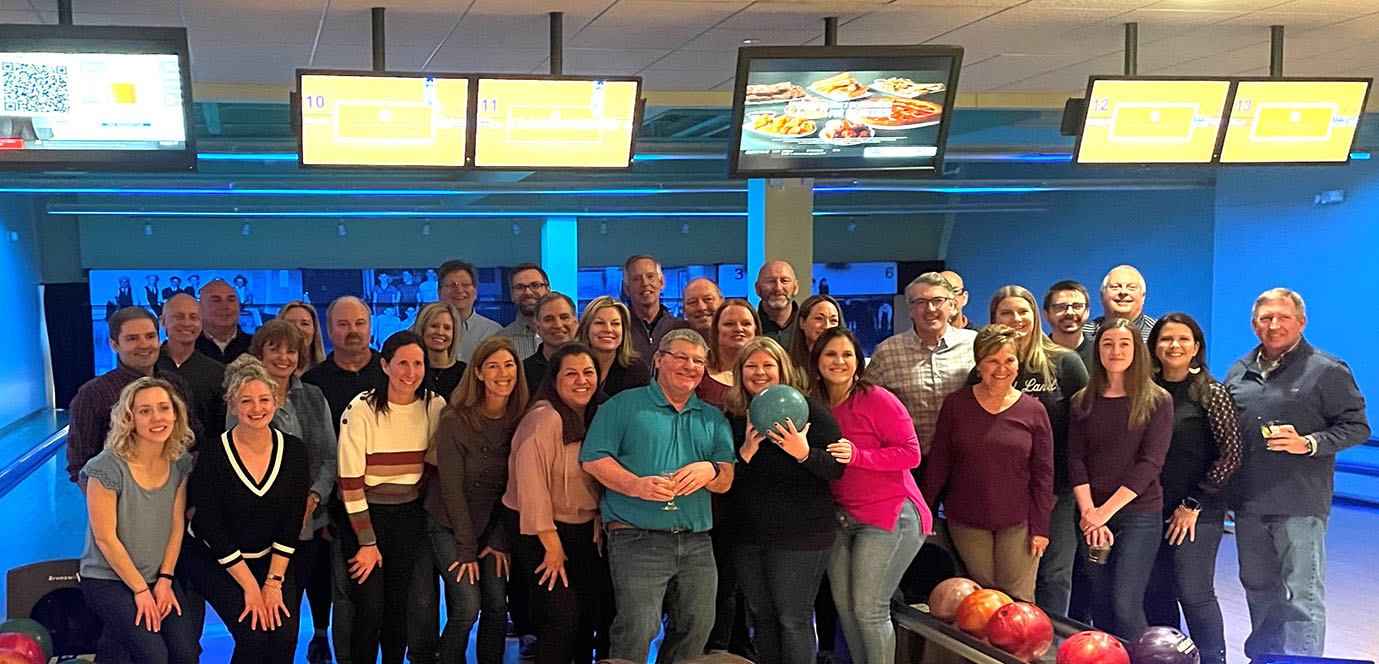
248	516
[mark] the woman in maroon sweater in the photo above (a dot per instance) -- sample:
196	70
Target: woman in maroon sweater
990	441
1119	434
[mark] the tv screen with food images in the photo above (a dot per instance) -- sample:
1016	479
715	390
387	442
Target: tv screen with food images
1151	120
367	119
842	110
95	98
555	122
1310	121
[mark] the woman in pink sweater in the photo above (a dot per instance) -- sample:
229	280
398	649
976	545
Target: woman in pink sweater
884	518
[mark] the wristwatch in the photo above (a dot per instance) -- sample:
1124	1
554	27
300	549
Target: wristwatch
1192	504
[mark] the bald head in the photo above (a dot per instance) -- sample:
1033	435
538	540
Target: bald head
181	318
1122	292
219	308
959	294
777	287
701	298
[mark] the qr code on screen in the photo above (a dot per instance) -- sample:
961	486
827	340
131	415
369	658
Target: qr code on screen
31	88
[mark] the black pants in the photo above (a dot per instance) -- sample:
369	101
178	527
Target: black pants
311	571
571	622
382	602
198	568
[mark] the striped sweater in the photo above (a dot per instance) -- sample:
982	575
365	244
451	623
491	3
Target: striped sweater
384	456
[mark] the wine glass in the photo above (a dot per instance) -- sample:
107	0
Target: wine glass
669	475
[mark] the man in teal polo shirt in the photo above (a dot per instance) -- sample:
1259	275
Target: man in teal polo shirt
654	449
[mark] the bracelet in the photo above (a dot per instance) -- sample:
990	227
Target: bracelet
275	577
145	589
716	470
165	575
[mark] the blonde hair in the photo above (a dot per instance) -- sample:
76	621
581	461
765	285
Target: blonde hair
738	398
120	440
244	370
429	313
1035	350
625	353
313	349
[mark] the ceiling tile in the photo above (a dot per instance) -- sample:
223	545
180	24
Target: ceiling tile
682	79
907	25
717	60
613	62
652	24
1221	5
787	17
732	38
490	60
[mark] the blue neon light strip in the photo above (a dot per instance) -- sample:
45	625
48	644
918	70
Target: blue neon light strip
247	156
1025	157
361	214
219	191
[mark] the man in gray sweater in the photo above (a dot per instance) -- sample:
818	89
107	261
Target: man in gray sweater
1299	406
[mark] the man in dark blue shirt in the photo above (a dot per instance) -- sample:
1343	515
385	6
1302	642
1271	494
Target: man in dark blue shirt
1299	406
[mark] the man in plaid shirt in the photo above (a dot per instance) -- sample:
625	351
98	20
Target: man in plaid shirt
925	365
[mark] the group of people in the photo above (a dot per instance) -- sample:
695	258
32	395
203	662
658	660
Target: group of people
595	474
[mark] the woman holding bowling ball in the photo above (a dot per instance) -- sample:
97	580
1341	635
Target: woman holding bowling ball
136	495
1119	433
1202	456
992	464
781	513
884	518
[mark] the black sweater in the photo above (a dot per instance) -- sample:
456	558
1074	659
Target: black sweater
238	519
779	502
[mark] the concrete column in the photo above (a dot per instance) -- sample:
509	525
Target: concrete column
560	253
780	226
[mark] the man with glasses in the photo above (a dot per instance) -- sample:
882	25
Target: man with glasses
923	366
655	448
1299	406
960	296
1122	296
527	283
460	288
1065	308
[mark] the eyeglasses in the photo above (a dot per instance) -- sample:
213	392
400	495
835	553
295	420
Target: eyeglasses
1075	307
534	286
931	302
467	285
681	358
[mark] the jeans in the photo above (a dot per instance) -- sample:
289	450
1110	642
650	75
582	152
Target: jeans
1117	587
1184	575
1283	569
113	603
1053	587
780	586
484	602
643	563
864	570
729	633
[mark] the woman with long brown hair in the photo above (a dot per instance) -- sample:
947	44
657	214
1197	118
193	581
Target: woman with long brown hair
735	322
1119	433
817	313
465	521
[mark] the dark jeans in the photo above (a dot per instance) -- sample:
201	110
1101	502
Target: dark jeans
730	608
780	587
571	621
198	568
311	572
1053	587
1117	588
643	563
113	603
484	602
382	604
826	615
1184	574
1283	569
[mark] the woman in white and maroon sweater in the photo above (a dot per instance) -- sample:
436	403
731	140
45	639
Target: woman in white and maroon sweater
385	437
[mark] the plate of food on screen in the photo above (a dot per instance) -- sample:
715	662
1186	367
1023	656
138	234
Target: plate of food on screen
846	132
904	87
895	114
770	93
778	125
839	87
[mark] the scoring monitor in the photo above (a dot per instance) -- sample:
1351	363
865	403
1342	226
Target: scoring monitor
1293	121
1151	121
364	119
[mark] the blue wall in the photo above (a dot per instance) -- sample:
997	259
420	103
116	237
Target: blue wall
1080	236
23	373
1272	234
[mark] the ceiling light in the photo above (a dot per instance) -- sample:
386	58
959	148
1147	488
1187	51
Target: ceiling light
751	40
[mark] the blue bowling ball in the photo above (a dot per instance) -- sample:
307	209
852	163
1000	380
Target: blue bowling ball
777	404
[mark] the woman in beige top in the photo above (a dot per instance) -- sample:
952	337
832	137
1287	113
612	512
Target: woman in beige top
560	534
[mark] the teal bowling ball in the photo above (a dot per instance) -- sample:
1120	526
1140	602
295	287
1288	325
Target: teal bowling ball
776	404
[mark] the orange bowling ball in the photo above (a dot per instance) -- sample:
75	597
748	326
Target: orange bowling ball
946	596
976	610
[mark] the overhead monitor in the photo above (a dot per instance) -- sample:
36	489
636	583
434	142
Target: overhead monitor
531	122
1151	120
95	98
1294	120
842	110
382	119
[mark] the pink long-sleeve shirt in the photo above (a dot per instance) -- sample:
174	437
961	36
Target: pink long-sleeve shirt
884	450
